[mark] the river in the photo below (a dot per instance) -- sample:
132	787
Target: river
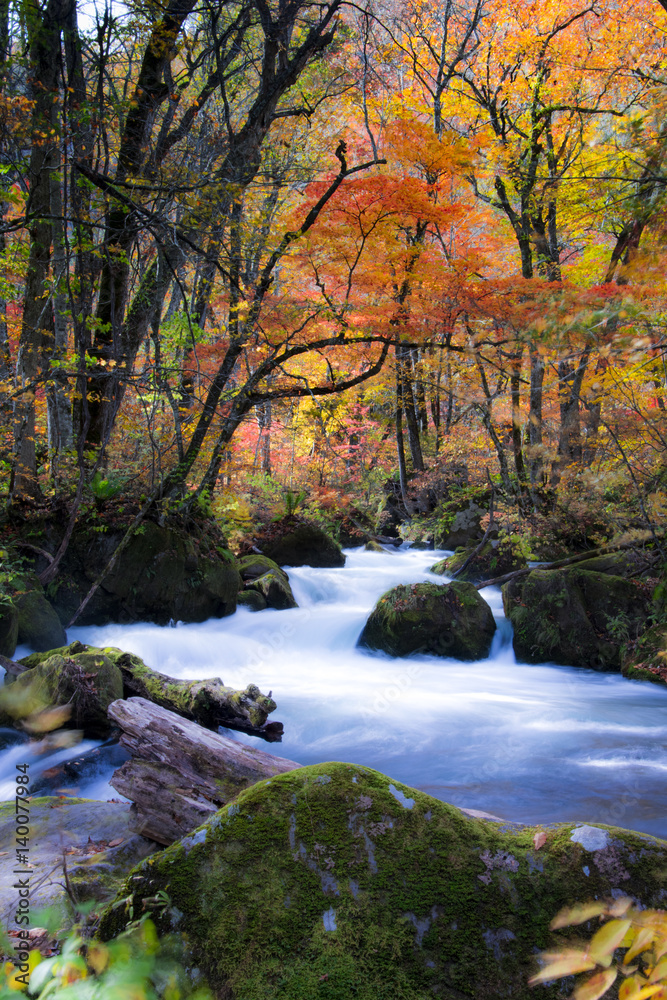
527	743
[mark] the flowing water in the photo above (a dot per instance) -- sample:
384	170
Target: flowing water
527	743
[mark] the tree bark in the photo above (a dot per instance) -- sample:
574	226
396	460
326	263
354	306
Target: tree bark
182	772
209	703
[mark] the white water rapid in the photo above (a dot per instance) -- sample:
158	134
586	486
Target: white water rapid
527	743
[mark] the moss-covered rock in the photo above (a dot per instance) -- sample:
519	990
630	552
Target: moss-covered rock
333	881
445	620
252	600
275	590
85	831
627	564
39	625
373	546
86	682
253	566
576	617
298	542
496	557
461	527
9	628
164	573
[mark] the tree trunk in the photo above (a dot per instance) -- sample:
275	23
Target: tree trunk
183	772
536	463
569	439
515	391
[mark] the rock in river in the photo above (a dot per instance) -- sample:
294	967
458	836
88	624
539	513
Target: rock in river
444	620
334	881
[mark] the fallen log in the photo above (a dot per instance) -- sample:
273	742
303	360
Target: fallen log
572	560
181	772
210	702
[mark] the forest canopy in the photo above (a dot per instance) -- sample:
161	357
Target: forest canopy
320	245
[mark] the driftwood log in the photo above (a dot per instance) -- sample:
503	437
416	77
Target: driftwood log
210	702
181	772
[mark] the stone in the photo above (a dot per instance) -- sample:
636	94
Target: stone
576	617
39	625
9	627
325	882
253	566
372	546
85	830
449	620
252	600
496	557
297	542
464	527
87	682
275	590
164	574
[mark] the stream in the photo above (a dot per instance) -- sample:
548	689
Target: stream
527	743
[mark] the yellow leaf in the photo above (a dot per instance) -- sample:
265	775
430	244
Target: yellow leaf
629	989
596	985
642	942
564	963
576	914
659	972
607	940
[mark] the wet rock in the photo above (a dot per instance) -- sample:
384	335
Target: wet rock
334	880
164	574
86	683
252	600
9	627
464	527
576	617
275	590
253	566
39	625
297	542
495	558
96	840
445	620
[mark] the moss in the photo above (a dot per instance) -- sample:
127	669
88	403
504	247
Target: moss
9	628
576	617
423	900
451	620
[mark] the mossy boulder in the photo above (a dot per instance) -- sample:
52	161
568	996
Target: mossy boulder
86	682
251	600
39	625
253	566
333	881
576	617
164	573
9	628
373	546
627	564
297	542
461	527
275	590
495	558
96	837
446	620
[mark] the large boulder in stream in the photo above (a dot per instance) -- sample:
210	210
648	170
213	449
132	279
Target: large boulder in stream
334	881
9	627
295	541
275	589
445	620
576	617
164	573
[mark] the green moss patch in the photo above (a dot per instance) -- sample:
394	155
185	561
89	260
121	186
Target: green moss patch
335	881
